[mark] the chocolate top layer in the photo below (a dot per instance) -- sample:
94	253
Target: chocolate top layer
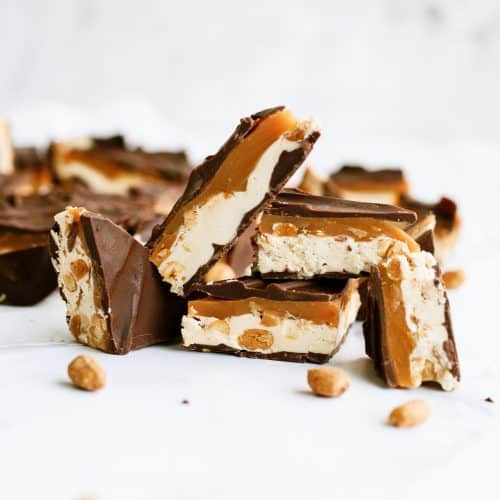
171	165
353	175
140	310
295	203
32	213
300	290
445	210
125	211
36	213
29	157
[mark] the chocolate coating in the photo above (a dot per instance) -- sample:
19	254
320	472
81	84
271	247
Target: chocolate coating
352	175
26	276
140	309
168	165
288	162
300	290
295	203
445	210
307	357
376	337
32	213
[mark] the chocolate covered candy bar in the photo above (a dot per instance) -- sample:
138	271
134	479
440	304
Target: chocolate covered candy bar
448	222
108	166
288	321
302	236
373	186
227	192
26	273
115	299
408	330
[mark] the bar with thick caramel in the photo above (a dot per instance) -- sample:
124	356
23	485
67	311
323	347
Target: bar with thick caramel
288	321
227	192
302	236
109	166
408	331
115	299
372	186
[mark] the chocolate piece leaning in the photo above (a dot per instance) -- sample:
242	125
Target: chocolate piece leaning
303	321
115	299
372	186
302	236
109	166
448	222
226	193
407	330
26	273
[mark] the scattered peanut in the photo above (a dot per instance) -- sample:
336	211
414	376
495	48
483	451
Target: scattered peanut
328	382
86	373
454	279
411	414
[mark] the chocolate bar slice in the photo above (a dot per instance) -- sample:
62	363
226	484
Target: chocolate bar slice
448	222
227	192
108	166
302	236
288	321
408	331
375	186
26	273
115	299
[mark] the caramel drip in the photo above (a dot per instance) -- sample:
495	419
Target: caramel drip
398	338
13	241
317	312
360	229
232	175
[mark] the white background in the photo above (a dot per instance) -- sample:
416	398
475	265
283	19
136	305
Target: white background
411	83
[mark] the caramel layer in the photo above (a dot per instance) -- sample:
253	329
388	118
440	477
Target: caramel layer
233	174
317	312
399	342
13	241
400	187
359	229
95	160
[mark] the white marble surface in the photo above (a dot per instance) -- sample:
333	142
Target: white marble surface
251	428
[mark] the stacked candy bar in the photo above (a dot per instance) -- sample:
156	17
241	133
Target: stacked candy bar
109	166
389	186
131	187
132	277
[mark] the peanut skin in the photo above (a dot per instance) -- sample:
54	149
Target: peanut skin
410	414
86	373
328	382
